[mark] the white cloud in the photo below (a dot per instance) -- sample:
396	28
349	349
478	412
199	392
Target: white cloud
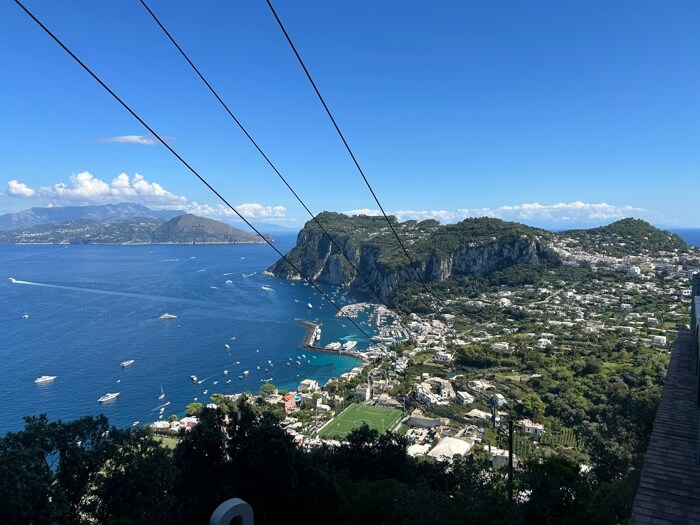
19	189
363	211
85	188
561	213
131	139
247	210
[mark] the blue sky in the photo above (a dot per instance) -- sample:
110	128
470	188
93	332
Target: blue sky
550	113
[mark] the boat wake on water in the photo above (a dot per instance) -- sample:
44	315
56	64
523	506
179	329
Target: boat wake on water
110	292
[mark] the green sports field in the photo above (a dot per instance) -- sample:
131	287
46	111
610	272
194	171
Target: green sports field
378	418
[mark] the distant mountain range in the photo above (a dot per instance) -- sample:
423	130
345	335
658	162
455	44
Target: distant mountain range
116	224
105	212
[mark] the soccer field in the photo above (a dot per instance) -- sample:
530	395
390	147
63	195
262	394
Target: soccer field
378	418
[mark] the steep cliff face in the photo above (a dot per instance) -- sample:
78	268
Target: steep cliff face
476	249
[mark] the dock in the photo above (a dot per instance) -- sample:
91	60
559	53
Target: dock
310	337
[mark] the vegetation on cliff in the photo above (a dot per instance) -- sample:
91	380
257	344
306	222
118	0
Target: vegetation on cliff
472	247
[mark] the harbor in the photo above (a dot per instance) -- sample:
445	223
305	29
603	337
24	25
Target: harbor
313	335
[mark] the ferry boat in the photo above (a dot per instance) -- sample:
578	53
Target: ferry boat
108	397
349	345
44	379
126	363
168	316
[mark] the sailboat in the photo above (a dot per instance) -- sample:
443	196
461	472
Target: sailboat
162	393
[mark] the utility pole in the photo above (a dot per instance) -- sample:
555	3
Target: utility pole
510	460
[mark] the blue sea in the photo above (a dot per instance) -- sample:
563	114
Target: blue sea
689	235
91	307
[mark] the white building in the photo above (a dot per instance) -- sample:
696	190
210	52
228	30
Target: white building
363	392
465	397
528	427
658	340
443	357
448	447
309	385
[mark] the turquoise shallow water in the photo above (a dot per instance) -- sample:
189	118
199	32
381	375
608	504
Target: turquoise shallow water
92	307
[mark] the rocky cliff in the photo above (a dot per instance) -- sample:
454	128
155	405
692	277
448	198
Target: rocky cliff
474	247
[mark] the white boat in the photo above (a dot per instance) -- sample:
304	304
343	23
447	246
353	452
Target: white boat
25	315
108	397
135	424
44	379
227	382
267	288
126	363
229	281
11	280
333	346
226	346
349	345
194	378
162	393
246	372
309	305
225	372
168	316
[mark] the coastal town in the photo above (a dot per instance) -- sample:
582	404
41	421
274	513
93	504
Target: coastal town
451	383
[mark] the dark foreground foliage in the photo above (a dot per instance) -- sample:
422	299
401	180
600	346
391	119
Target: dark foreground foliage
86	472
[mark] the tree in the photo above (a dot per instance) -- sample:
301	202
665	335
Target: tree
558	492
268	389
47	468
135	485
194	409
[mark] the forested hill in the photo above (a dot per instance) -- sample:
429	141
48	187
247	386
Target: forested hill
474	247
626	237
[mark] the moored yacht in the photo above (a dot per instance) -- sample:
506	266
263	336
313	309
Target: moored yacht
108	397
